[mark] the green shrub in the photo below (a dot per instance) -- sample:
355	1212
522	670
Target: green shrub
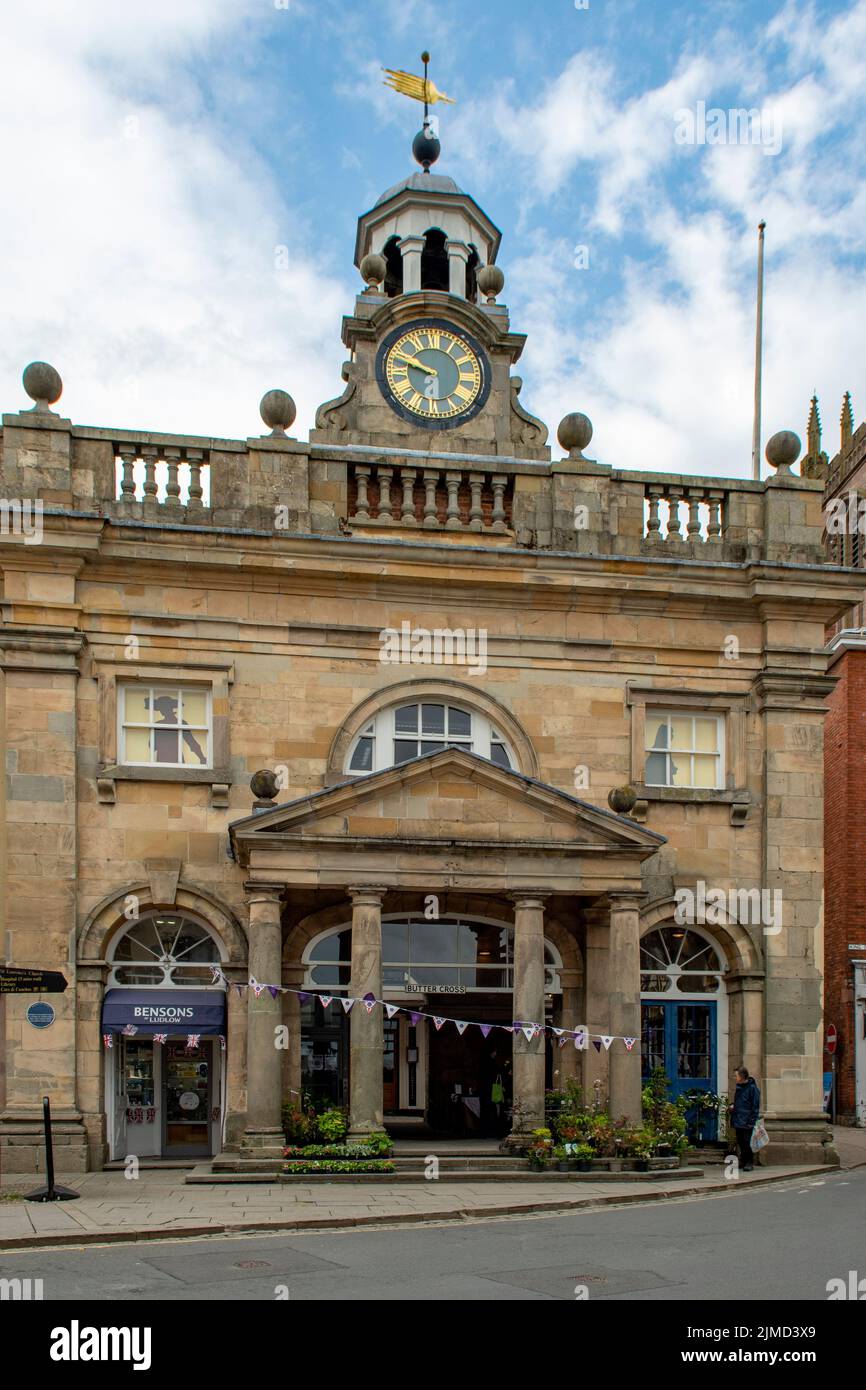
304	1166
332	1126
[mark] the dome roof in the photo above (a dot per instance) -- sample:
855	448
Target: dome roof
422	183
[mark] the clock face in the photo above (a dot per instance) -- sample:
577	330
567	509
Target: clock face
433	374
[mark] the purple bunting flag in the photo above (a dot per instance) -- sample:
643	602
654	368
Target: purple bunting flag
415	1019
596	1044
486	1028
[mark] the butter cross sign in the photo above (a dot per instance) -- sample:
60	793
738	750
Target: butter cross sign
15	981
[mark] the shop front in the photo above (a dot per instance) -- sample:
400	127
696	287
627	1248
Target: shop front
164	1037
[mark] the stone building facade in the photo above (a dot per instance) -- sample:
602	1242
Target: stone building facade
451	645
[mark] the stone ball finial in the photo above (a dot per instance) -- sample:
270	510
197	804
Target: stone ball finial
264	785
373	271
783	450
278	411
426	148
43	384
622	800
491	281
574	433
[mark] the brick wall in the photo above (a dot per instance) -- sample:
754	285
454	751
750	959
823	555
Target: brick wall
845	859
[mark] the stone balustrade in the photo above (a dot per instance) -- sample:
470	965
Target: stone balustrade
434	499
279	485
158	473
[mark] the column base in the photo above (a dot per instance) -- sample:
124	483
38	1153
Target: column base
22	1142
263	1143
359	1134
798	1138
517	1142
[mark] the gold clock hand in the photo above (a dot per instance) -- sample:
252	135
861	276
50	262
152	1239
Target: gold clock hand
413	362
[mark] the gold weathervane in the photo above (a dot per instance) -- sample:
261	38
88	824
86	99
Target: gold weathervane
418	88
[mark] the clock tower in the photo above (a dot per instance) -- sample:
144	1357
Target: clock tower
431	350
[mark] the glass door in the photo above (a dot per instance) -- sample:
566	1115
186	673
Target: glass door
186	1092
681	1037
391	1066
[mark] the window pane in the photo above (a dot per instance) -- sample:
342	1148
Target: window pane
657	733
137	745
433	719
707	735
194	708
137	705
681	731
433	941
362	758
165	706
499	755
655	984
406	719
705	770
459	722
435	975
698	984
681	771
194	744
432	747
656	770
404	750
165	745
395	942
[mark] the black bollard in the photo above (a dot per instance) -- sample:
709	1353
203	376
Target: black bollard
52	1192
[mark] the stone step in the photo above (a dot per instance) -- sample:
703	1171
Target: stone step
455	1175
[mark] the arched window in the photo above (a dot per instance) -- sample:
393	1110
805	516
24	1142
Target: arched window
679	961
435	271
396	735
453	954
166	950
394	261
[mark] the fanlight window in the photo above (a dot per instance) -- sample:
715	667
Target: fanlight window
165	950
678	960
404	732
418	955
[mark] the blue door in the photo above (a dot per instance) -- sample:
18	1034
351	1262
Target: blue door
681	1038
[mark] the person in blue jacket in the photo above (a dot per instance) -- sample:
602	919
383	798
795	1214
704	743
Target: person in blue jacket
744	1115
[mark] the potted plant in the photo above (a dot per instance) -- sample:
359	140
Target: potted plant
540	1149
583	1154
643	1146
332	1126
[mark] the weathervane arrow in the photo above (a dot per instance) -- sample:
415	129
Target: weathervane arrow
418	88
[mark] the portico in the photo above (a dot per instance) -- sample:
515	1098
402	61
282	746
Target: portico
455	832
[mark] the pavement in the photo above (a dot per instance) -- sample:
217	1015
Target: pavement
158	1203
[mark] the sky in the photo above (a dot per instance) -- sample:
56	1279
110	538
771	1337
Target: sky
181	184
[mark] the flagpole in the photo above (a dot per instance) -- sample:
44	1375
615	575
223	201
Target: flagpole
759	355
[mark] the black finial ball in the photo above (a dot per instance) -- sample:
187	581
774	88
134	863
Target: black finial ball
426	148
425	57
264	784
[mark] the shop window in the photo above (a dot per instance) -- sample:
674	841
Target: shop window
166	950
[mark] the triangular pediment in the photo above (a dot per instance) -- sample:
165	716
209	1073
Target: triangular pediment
450	796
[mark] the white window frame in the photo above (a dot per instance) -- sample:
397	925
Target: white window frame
181	688
383	725
655	713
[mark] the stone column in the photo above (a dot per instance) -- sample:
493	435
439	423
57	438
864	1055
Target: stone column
291	1060
528	1008
458	259
366	1035
625	1067
566	1059
235	1057
411	248
595	1066
263	1136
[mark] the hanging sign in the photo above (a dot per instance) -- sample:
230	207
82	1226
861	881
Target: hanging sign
16	981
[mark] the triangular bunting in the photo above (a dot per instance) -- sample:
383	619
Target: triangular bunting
347	1005
392	1009
596	1044
629	1043
325	999
486	1028
438	1022
369	1001
460	1026
273	990
562	1042
528	1031
606	1041
415	1019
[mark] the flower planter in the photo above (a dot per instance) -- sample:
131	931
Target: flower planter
584	1165
641	1165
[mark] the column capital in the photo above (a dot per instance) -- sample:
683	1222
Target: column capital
527	898
367	897
622	899
264	892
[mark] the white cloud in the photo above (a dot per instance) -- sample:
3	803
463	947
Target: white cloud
139	240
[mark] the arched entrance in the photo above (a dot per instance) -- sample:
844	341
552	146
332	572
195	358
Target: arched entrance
684	1011
454	967
165	1018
